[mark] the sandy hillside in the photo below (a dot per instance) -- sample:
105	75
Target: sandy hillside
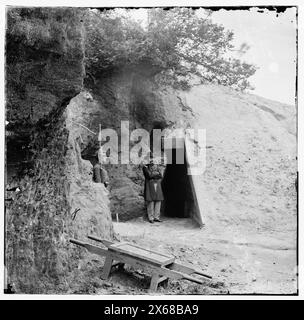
251	160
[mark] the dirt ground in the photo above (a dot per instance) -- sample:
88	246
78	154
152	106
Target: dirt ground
240	261
239	264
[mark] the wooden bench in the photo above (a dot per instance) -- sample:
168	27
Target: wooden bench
159	265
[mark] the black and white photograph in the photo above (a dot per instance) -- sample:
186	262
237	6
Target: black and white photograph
150	150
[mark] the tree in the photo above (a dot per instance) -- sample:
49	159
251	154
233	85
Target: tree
178	43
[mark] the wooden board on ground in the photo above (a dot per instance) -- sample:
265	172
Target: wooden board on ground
134	251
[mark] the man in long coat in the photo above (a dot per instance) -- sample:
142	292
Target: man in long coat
153	193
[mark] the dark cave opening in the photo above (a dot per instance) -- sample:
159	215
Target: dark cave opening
178	198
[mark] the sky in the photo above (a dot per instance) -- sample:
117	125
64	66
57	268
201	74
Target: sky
272	41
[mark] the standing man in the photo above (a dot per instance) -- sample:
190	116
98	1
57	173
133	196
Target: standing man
100	174
153	193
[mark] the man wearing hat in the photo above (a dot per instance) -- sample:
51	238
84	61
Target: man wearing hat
153	193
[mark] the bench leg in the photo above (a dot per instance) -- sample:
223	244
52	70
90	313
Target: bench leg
107	268
154	283
164	281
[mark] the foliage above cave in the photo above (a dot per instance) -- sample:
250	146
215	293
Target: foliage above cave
178	44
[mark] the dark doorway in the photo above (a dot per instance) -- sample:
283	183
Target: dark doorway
178	199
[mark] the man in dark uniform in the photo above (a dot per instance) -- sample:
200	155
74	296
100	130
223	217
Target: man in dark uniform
153	193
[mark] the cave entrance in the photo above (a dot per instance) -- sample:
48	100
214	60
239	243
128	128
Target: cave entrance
176	187
179	189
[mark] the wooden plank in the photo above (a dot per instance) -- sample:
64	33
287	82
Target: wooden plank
181	268
107	243
119	256
96	250
179	275
185	269
91	248
142	253
139	247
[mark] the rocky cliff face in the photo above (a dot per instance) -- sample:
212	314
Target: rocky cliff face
44	70
44	53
